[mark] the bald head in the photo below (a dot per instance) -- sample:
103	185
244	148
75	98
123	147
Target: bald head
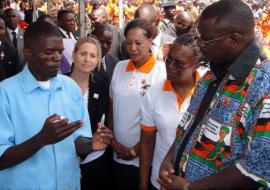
100	16
184	16
183	22
146	12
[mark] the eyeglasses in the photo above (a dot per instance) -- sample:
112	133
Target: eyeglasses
205	42
178	63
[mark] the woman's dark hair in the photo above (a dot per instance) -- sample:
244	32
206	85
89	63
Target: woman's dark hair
140	23
190	41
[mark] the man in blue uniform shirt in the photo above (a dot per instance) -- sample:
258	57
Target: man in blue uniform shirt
43	120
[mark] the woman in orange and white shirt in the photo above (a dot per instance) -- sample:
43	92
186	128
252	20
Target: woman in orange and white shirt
130	83
164	105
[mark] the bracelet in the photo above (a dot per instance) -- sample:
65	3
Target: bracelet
133	152
186	186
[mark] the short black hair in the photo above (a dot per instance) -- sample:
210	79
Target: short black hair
46	18
43	17
235	13
62	12
9	10
100	28
39	30
140	23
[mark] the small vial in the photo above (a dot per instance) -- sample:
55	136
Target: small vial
102	119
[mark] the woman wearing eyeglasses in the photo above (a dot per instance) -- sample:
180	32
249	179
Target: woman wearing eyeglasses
164	105
130	83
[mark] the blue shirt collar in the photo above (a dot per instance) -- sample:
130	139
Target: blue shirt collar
31	83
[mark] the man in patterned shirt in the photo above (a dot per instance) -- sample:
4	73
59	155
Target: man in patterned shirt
230	145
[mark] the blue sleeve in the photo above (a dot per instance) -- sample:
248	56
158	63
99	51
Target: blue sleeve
255	163
85	130
6	128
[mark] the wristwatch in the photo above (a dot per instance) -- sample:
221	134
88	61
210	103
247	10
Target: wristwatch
133	152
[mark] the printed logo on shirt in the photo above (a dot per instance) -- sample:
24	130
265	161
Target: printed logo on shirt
144	87
96	96
181	128
213	144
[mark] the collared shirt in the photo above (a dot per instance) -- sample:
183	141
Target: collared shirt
128	86
66	35
24	107
235	129
156	44
11	36
163	24
159	44
239	69
161	111
171	30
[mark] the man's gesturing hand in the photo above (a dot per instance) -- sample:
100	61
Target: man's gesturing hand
56	129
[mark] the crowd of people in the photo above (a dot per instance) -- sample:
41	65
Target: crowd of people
176	97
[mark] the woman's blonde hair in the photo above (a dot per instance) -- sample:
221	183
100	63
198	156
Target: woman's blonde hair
93	41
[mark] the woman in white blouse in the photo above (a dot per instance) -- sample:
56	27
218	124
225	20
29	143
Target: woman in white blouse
165	104
130	82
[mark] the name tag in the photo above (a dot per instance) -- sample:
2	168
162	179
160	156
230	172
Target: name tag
96	96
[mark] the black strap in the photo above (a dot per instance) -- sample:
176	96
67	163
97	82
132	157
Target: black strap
209	94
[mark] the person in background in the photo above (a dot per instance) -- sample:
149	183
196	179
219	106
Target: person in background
66	24
3	5
148	13
95	167
104	34
15	5
31	15
130	82
195	9
95	4
47	18
101	16
14	33
54	13
21	15
182	24
169	8
9	60
164	105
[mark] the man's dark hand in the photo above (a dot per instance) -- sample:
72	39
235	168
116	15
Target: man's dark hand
56	129
102	137
167	177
